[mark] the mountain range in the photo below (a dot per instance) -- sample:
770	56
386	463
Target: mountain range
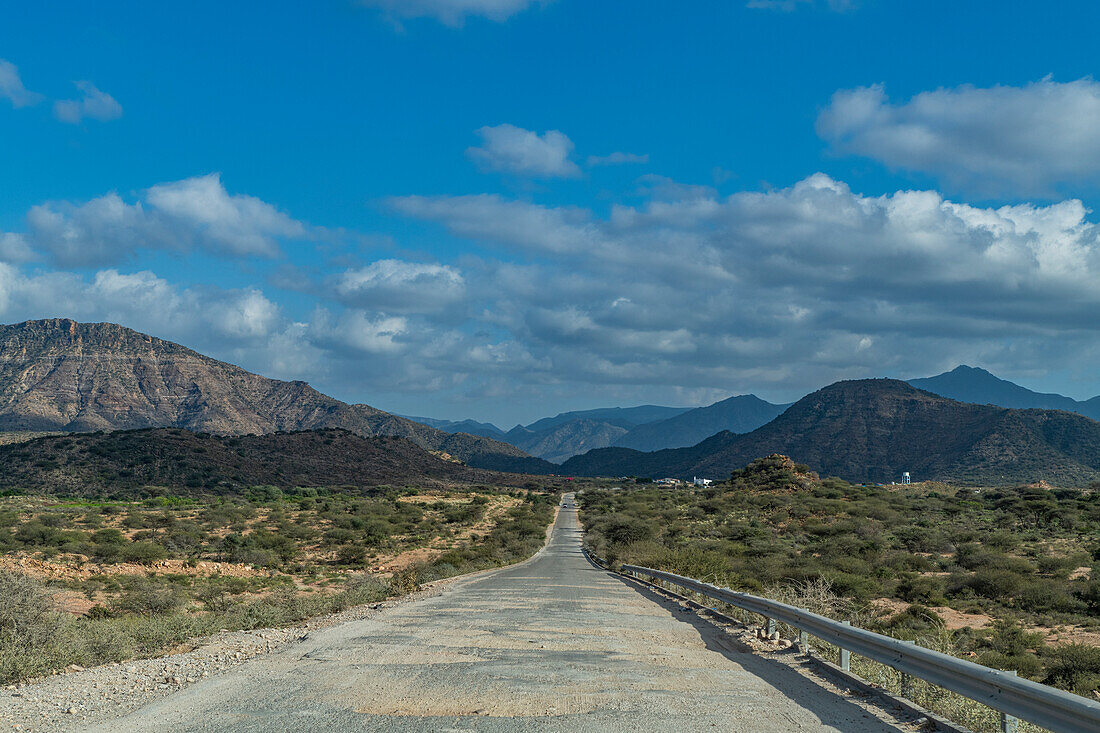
568	433
653	428
740	414
60	375
646	427
876	429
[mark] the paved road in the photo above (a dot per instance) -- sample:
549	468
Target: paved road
553	644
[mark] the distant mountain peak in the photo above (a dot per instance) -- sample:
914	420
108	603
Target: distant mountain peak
979	386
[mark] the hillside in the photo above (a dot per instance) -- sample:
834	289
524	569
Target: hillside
470	427
873	430
566	434
561	442
57	374
972	384
623	417
656	464
740	414
124	461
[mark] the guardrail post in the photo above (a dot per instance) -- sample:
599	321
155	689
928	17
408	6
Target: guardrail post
845	655
1009	722
770	627
803	641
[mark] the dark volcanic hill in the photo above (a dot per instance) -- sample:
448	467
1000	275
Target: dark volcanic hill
873	430
671	462
740	414
127	460
61	375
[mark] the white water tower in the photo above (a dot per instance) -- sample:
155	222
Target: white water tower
905	476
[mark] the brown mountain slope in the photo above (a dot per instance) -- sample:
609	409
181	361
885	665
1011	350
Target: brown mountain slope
874	429
57	374
126	461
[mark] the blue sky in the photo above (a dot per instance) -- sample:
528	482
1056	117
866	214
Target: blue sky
502	209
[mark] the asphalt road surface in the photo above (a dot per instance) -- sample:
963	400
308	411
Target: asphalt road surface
553	644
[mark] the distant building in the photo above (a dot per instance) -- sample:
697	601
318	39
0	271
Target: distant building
669	481
701	481
905	477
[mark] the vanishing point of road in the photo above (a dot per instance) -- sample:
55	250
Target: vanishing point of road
552	644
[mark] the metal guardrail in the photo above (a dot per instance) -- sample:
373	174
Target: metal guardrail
1014	697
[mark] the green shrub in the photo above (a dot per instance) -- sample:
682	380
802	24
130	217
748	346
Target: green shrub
146	596
922	589
142	552
1075	667
27	624
1025	664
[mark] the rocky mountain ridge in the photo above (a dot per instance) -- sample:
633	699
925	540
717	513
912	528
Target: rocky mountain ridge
57	374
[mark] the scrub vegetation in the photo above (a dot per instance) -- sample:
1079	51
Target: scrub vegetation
1006	577
86	581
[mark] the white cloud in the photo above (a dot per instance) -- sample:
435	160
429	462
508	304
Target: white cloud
815	280
237	224
93	104
361	332
687	293
11	86
617	158
395	286
492	218
14	248
212	318
999	139
247	315
195	213
510	149
450	12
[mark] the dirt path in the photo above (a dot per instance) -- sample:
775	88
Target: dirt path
553	644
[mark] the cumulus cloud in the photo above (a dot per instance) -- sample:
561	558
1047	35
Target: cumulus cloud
450	12
395	286
195	213
11	86
492	218
1001	139
362	332
617	158
510	149
789	288
93	104
213	318
14	248
686	295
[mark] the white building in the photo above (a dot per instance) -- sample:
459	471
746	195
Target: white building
701	481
